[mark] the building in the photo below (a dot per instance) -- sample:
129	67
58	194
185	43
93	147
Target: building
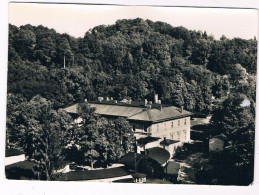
217	143
154	124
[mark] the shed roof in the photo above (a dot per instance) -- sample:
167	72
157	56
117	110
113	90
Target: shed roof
149	139
129	159
167	142
173	168
139	175
160	155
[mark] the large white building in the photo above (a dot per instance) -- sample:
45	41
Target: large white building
154	124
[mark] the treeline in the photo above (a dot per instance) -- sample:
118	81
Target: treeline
132	58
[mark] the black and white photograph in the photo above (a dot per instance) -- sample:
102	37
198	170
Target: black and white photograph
131	94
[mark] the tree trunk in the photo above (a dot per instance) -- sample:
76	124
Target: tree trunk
92	163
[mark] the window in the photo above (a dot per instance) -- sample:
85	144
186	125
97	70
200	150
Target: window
184	133
145	128
148	129
172	136
172	124
178	122
157	128
178	135
185	121
134	128
165	127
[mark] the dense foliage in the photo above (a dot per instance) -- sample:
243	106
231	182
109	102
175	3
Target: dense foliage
98	141
132	58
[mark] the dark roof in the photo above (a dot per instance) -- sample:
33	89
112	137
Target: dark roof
96	174
129	159
149	139
26	165
173	168
134	111
139	175
13	152
167	142
160	155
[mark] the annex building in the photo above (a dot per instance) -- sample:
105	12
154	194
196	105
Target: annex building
154	124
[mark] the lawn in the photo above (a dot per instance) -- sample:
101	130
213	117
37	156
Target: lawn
96	174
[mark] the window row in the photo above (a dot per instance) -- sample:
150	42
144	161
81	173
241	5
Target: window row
172	124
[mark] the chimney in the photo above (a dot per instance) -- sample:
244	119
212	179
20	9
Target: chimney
111	98
115	101
181	109
145	102
150	102
159	102
107	99
160	108
155	98
100	99
129	101
85	100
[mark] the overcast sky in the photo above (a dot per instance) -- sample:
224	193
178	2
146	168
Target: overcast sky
77	19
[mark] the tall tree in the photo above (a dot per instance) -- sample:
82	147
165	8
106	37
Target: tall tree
45	137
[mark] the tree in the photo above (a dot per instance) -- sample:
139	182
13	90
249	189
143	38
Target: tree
100	141
24	43
235	118
45	136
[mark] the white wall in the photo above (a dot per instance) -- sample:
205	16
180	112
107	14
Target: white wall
178	129
14	159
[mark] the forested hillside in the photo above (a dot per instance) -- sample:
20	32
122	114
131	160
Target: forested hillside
132	58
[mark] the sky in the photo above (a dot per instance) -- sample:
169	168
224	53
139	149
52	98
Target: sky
77	19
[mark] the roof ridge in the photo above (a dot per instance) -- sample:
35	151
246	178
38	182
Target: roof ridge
136	113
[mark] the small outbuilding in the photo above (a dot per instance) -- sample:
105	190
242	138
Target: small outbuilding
172	170
139	177
217	143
